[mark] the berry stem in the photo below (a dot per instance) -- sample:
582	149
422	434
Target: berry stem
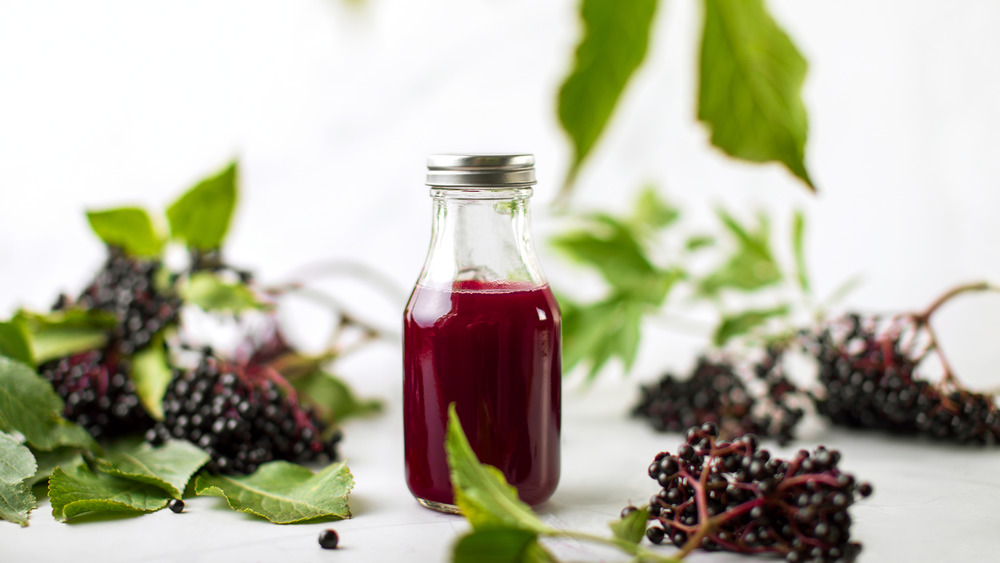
641	553
924	317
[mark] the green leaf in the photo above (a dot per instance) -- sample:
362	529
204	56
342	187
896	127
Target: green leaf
749	94
15	342
652	212
29	405
48	461
284	493
168	467
63	333
632	528
151	375
129	228
742	323
201	216
481	491
78	490
698	242
596	333
212	293
331	398
614	43
17	465
500	545
798	234
752	265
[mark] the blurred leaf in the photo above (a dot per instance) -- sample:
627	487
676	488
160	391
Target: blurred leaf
632	528
210	292
481	491
749	94
127	227
201	216
842	290
595	333
500	545
29	405
16	468
798	233
151	375
614	43
742	323
652	212
62	333
752	265
15	343
698	242
77	490
331	398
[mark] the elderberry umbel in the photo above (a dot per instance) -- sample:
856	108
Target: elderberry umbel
242	415
741	397
733	496
126	288
97	392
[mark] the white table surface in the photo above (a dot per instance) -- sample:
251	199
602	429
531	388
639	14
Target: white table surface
932	503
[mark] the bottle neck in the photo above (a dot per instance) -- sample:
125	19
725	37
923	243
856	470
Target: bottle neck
481	235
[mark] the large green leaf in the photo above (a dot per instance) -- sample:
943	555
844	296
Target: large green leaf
29	405
62	333
15	342
202	215
77	490
331	398
151	375
129	228
749	93
481	491
49	460
284	493
614	43
17	466
168	467
212	293
500	545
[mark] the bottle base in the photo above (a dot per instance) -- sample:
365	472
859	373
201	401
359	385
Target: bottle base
439	506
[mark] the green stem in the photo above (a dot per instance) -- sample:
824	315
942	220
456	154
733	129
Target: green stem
626	546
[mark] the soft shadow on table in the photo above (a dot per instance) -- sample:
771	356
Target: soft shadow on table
103	517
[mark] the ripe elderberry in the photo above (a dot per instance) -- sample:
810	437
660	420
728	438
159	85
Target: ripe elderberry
97	392
752	398
176	505
126	288
242	416
733	496
868	379
328	539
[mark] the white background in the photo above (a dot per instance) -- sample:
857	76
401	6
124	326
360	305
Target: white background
332	106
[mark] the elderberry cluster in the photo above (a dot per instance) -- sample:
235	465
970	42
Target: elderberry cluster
715	391
126	288
241	418
734	496
97	392
867	372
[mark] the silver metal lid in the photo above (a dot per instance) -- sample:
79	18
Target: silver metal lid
481	170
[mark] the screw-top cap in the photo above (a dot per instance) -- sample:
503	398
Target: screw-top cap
481	170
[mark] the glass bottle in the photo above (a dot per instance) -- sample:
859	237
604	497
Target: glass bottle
482	330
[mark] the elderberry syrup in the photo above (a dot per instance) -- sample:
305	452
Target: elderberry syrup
482	330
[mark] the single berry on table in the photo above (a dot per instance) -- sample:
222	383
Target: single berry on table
176	505
328	539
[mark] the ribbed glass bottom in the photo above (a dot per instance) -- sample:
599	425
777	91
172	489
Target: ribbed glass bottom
439	506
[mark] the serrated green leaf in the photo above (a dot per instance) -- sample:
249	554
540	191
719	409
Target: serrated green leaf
151	375
481	491
29	405
499	545
17	465
129	228
49	460
77	490
752	265
614	43
168	467
595	333
331	398
284	493
212	293
798	246
742	323
749	93
15	342
632	528
202	215
63	333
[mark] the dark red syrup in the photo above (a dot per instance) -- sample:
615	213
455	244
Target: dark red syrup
493	349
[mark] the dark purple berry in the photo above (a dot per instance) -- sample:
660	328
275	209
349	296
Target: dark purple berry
328	539
176	505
